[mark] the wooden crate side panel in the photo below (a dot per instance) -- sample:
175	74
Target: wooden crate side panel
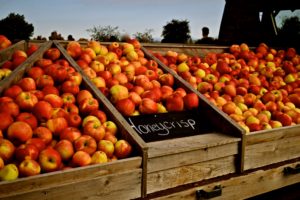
267	153
165	179
191	157
272	135
123	185
55	179
178	145
244	186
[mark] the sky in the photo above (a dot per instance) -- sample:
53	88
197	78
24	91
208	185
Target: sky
130	16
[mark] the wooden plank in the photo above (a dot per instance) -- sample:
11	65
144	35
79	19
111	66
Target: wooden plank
267	153
244	186
165	179
58	178
177	145
191	157
123	185
272	135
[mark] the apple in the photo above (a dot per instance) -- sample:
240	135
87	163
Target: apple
75	77
43	81
81	158
107	147
50	90
74	119
29	167
230	90
166	79
27	84
26	101
191	101
4	42
28	118
19	132
43	62
17	61
204	87
70	133
70	87
94	130
38	142
49	160
65	149
99	157
118	92
82	64
110	127
174	103
88	105
52	54
83	94
122	149
110	137
26	151
13	91
85	143
125	106
68	98
54	100
5	121
7	149
57	125
148	106
43	133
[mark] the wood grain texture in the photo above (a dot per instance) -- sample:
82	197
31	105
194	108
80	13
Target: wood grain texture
184	174
267	153
122	185
244	186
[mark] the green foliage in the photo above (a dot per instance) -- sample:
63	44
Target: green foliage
105	33
15	28
176	31
145	36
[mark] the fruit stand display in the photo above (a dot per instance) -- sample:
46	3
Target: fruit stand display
208	152
256	87
60	139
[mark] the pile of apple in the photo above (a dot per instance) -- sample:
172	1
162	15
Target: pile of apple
4	42
17	58
259	88
134	84
50	122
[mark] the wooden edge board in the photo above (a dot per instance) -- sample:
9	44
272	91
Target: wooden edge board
179	145
47	180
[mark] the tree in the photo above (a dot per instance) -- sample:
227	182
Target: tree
55	36
15	28
289	33
105	33
144	37
176	31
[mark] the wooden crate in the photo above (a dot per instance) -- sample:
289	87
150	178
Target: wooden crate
175	162
258	148
121	179
242	186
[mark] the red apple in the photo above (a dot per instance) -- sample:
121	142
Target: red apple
26	101
7	149
81	158
122	149
95	130
50	160
19	132
38	142
27	84
191	101
29	167
74	119
70	133
28	118
65	149
125	106
55	100
13	91
88	105
57	125
43	133
83	94
148	106
100	115
85	143
52	54
26	151
5	121
174	103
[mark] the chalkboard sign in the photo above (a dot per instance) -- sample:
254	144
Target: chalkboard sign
169	125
